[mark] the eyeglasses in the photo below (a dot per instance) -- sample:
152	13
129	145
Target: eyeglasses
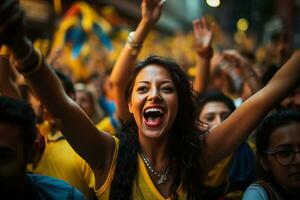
284	156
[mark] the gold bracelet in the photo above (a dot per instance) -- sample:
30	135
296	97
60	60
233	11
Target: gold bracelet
37	67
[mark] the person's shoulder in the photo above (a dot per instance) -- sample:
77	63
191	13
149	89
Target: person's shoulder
255	191
54	189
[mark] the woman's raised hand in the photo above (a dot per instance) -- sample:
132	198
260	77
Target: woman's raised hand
151	10
11	24
203	33
12	30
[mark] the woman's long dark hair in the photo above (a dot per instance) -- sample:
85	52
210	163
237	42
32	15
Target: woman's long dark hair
186	147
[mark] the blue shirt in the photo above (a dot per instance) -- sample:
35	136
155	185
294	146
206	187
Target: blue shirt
255	191
48	188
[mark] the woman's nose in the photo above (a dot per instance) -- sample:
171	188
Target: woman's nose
297	157
154	95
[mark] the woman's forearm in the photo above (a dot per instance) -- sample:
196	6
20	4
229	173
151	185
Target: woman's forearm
225	138
80	132
202	75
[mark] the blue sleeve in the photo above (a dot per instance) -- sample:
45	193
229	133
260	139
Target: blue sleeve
256	192
46	187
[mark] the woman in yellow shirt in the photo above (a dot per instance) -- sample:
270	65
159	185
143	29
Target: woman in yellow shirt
160	100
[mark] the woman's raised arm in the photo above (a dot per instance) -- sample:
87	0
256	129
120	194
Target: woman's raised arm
227	136
151	11
203	36
95	147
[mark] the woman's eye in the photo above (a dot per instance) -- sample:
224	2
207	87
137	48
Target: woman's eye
285	153
142	89
209	118
167	89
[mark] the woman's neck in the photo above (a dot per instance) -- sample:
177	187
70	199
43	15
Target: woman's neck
156	151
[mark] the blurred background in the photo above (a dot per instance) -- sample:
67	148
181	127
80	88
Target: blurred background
92	33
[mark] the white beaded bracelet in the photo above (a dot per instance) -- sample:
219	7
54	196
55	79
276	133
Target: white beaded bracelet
131	42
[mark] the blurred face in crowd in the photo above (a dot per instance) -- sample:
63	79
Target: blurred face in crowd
214	113
12	156
96	84
107	88
293	100
85	101
154	101
283	163
281	46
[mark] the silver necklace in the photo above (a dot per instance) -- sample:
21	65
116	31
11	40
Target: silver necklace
163	177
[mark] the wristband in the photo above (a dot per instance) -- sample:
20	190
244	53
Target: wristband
36	67
206	54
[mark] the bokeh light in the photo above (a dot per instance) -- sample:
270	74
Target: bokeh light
213	3
242	24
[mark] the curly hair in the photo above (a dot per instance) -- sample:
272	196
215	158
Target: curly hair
186	161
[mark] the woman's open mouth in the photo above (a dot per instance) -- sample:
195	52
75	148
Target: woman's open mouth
154	116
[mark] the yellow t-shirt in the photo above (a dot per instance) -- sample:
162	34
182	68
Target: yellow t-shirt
105	125
143	187
219	173
59	160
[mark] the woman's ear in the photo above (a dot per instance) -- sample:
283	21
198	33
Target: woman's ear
129	107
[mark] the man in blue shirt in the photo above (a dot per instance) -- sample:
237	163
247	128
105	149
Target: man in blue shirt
17	147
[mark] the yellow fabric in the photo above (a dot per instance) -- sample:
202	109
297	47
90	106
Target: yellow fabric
59	160
44	129
252	146
103	192
105	125
3	50
218	174
192	71
143	188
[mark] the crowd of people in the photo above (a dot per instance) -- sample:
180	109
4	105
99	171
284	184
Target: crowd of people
147	129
